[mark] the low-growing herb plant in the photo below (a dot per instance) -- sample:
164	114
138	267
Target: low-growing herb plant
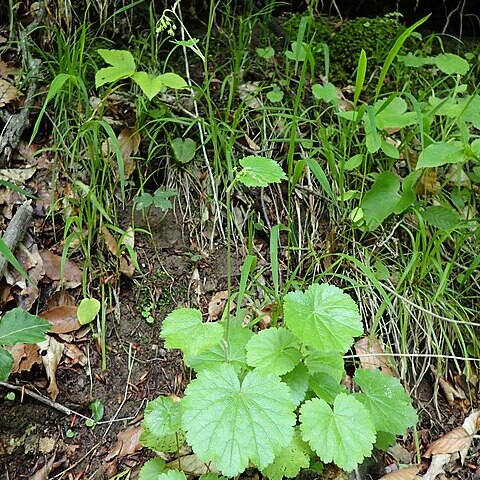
274	398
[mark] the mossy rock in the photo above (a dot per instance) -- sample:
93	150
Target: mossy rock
375	35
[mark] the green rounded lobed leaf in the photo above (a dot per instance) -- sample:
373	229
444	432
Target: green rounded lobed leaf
297	381
389	405
184	329
163	416
233	422
291	460
273	350
172	475
344	435
260	171
323	317
151	469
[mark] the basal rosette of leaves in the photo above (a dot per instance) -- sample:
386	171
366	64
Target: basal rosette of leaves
274	399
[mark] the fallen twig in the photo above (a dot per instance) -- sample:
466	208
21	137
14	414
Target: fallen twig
15	231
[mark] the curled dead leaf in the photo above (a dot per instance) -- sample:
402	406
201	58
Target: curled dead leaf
63	319
24	356
372	356
52	264
8	93
452	442
129	143
408	473
128	442
51	355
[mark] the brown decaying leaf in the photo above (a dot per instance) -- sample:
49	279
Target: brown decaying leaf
7	68
75	354
60	299
436	466
191	465
128	442
471	425
403	474
63	318
52	263
24	356
51	358
110	241
217	304
8	93
452	442
126	266
128	142
371	355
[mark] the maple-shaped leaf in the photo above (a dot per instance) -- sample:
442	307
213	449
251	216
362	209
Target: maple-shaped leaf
184	329
297	381
323	317
171	442
172	475
330	363
233	352
163	416
344	435
384	397
290	460
151	469
274	350
260	171
235	422
326	387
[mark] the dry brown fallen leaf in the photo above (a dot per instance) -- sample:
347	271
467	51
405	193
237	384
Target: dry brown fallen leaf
8	93
217	304
128	143
371	355
408	473
45	471
452	442
128	442
52	263
191	465
24	356
51	358
63	319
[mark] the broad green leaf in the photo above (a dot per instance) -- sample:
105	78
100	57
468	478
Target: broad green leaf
290	460
440	153
344	435
161	198
184	149
123	65
380	201
275	95
172	80
326	387
184	329
394	115
411	60
233	422
266	53
6	362
441	217
390	150
166	443
297	381
323	317
353	162
260	171
451	64
172	475
385	440
150	85
18	326
328	93
233	353
330	363
163	416
408	196
274	350
97	408
298	52
87	310
143	201
386	400
151	469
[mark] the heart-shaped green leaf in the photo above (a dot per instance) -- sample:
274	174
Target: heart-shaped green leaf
88	310
150	86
